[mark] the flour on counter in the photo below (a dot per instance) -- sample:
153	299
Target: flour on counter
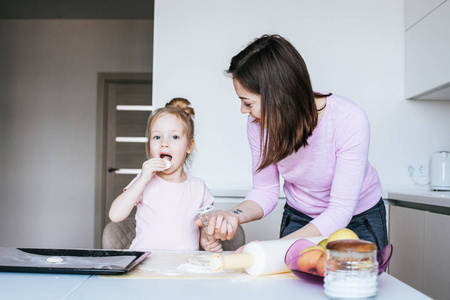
200	259
193	268
183	265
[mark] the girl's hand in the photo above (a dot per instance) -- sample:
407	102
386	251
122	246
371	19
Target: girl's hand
151	166
209	243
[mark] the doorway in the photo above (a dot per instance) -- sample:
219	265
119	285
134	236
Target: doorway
124	102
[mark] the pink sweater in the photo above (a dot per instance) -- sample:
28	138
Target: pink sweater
330	179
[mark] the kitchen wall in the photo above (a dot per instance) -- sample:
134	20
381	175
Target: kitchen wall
48	93
352	48
48	97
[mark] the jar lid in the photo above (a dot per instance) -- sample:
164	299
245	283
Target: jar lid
358	246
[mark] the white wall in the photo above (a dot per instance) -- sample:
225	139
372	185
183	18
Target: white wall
48	86
352	48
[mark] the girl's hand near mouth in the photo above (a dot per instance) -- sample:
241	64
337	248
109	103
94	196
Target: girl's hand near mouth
151	166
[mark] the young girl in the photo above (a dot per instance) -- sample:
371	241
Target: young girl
167	198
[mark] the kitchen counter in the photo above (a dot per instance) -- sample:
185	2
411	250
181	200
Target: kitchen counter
38	286
417	222
254	288
416	196
161	279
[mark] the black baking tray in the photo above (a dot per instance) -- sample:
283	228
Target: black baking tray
85	255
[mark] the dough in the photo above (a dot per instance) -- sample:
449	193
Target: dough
168	164
55	260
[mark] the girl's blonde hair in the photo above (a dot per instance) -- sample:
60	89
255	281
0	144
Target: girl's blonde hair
179	107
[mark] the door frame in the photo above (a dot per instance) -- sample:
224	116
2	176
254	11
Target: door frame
103	80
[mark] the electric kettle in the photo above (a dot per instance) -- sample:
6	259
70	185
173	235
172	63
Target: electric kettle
440	171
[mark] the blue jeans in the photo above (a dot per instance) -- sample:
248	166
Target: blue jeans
369	225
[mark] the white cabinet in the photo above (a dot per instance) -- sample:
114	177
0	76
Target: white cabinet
421	257
437	256
406	234
427	54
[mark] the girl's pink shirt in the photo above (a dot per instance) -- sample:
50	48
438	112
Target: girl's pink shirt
330	179
166	213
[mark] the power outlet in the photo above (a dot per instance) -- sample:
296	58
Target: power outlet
417	170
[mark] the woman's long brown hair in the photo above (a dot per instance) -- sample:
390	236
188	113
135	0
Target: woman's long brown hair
271	67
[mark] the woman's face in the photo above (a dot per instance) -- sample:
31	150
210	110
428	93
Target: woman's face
250	102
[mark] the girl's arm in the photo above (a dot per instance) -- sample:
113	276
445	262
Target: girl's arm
124	203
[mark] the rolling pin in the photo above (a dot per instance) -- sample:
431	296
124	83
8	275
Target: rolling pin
258	258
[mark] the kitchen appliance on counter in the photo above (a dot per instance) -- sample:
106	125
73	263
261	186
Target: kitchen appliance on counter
440	171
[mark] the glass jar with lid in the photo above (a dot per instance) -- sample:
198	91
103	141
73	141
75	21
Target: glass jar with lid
351	270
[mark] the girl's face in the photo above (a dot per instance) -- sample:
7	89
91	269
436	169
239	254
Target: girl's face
250	102
168	140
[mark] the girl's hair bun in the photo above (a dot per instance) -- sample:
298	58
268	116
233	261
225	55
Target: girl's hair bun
183	104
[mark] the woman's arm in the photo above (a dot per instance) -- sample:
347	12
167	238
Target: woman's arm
225	223
247	211
306	231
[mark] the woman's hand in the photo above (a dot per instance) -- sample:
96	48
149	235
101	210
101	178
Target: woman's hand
151	166
222	226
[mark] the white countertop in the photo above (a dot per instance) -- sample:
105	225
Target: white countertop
417	194
259	288
164	275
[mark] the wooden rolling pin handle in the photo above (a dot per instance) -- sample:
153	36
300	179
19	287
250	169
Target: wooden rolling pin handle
232	261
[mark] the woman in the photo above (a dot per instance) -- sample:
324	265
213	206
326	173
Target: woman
318	143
